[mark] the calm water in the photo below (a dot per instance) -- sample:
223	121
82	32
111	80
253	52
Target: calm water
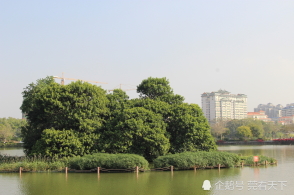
12	151
266	180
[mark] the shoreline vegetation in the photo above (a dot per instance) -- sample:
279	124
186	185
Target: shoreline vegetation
128	162
289	141
11	144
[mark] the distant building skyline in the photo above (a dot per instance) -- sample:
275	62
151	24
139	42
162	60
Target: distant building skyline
270	110
288	110
221	104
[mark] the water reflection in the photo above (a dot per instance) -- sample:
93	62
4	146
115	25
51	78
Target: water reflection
12	151
177	182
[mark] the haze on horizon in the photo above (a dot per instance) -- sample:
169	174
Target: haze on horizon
200	46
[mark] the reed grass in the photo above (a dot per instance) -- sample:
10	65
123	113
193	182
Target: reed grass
109	161
34	163
248	160
183	160
187	160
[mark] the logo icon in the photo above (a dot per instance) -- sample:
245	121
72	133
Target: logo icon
206	185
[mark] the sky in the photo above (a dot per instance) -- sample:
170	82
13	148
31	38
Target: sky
243	47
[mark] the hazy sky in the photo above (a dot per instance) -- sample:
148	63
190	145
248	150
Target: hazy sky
200	46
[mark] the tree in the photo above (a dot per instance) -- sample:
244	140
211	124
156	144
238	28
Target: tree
158	88
156	106
257	130
244	132
78	106
154	87
118	100
218	127
271	129
256	126
189	129
287	130
232	125
137	131
58	142
32	91
79	119
10	128
6	132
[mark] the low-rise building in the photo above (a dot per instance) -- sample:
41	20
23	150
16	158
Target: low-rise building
286	120
259	116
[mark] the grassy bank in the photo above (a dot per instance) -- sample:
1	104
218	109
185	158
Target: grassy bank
109	161
184	160
187	160
248	160
36	163
10	144
87	162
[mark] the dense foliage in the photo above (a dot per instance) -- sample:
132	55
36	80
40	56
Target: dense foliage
188	128
108	161
244	132
10	129
188	160
80	118
245	129
137	131
56	112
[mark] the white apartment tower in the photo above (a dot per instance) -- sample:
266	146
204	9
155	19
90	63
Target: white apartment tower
222	104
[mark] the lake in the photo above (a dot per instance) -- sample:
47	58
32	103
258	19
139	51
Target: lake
273	179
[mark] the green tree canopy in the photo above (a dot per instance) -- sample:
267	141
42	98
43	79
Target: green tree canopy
219	127
189	129
118	100
271	129
232	125
58	142
6	132
256	126
158	88
77	106
137	131
257	130
80	118
10	128
154	87
244	132
156	106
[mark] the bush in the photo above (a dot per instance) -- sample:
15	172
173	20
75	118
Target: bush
248	160
109	161
35	163
32	166
199	159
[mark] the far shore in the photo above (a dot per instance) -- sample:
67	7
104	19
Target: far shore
10	144
253	143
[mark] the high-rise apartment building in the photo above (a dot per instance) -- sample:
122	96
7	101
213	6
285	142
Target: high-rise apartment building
270	110
288	110
222	104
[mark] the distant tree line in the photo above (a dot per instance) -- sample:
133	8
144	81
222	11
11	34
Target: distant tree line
10	129
80	118
249	129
